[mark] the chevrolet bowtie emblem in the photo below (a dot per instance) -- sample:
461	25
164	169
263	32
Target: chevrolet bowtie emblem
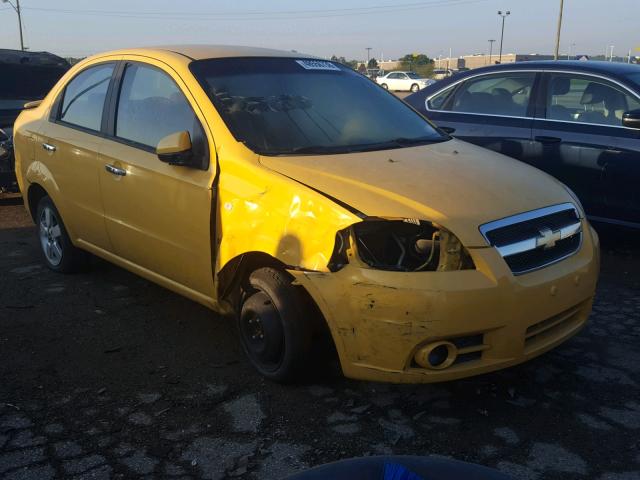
548	238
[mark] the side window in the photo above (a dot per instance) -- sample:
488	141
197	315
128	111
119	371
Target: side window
579	98
151	106
500	94
438	100
83	97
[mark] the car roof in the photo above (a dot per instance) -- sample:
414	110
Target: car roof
202	52
25	58
593	66
619	71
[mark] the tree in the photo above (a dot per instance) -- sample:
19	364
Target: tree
373	63
417	62
349	63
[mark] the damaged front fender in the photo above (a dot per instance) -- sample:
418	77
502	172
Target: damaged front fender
275	215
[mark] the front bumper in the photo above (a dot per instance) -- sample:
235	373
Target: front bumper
380	319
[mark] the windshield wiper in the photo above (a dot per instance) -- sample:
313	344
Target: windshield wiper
399	142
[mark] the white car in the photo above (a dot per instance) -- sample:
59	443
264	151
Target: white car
407	81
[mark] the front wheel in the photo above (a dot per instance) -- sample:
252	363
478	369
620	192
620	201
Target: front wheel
57	250
385	86
415	88
275	331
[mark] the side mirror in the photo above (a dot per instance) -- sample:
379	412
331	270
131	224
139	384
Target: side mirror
631	119
176	149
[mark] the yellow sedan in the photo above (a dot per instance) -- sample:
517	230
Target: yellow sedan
312	204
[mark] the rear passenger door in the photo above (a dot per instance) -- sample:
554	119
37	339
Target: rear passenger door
158	215
493	110
579	139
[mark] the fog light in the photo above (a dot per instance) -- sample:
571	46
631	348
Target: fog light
437	355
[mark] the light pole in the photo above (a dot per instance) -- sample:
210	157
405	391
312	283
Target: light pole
503	15
559	30
16	7
490	49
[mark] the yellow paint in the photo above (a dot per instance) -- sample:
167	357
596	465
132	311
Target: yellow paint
180	227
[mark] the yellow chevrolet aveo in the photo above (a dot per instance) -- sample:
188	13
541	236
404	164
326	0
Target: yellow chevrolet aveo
312	204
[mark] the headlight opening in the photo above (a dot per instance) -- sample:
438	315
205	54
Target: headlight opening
404	245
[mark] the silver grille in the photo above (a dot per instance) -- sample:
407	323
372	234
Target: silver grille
536	239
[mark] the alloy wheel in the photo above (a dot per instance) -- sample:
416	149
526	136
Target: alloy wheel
50	236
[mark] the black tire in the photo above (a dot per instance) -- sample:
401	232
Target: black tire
415	88
61	256
385	86
275	328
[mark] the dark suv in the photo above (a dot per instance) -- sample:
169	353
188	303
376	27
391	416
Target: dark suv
26	76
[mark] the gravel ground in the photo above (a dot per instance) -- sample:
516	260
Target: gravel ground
104	375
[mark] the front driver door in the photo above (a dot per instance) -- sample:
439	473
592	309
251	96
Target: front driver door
158	215
494	111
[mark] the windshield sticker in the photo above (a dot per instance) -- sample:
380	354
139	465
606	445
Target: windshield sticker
317	65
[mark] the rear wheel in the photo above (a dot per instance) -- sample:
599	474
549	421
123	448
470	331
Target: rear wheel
385	86
57	250
415	87
274	326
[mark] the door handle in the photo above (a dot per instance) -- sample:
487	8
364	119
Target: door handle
448	130
547	140
121	172
48	147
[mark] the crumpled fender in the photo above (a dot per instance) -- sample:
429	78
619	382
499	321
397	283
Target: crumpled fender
263	211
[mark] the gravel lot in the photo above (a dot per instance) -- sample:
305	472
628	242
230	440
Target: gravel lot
104	375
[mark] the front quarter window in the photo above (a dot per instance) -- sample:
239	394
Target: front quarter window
285	106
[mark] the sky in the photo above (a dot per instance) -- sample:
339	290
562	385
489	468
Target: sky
341	27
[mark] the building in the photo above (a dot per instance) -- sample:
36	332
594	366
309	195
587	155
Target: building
482	60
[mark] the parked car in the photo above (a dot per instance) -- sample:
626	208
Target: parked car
403	81
295	193
441	73
25	76
578	121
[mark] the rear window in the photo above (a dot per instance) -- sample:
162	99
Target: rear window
22	83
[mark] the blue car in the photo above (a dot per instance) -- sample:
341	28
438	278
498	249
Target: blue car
578	121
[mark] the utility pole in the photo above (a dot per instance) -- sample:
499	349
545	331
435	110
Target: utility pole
16	7
490	50
559	30
503	15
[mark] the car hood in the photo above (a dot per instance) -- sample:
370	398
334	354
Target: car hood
455	184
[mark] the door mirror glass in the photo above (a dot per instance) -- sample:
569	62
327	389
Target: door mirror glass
631	119
175	149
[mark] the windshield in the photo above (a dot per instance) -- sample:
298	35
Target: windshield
413	75
287	106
